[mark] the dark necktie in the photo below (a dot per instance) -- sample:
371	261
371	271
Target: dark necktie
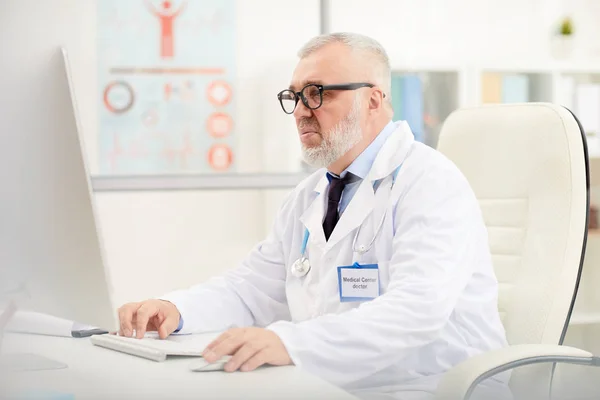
336	187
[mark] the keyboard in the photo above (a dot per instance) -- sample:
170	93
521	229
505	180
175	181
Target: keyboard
153	348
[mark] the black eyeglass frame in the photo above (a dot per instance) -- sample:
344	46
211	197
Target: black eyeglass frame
321	88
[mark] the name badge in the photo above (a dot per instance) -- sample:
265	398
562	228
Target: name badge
358	282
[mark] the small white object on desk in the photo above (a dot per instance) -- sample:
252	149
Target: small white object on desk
202	365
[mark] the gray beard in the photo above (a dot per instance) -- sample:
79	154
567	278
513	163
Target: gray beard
341	138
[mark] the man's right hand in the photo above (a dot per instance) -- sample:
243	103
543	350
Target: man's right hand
147	316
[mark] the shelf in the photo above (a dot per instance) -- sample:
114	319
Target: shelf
548	67
196	182
507	68
585	318
427	66
578	68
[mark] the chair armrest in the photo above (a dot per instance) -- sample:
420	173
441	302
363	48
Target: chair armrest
460	381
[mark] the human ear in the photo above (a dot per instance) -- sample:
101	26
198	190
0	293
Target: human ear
376	100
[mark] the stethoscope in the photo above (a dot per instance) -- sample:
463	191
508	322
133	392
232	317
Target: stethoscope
301	266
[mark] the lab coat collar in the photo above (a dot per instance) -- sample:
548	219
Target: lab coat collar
393	152
388	158
312	218
391	155
322	184
363	163
361	205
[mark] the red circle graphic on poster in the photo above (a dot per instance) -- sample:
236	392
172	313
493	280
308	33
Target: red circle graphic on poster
220	157
219	93
219	124
118	97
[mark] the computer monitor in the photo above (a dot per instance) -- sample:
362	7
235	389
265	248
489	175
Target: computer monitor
51	255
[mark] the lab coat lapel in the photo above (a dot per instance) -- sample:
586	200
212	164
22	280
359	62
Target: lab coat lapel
391	155
312	218
358	209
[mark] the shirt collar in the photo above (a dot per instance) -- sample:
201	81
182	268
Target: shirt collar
363	163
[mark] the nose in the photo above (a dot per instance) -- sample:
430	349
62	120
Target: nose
301	111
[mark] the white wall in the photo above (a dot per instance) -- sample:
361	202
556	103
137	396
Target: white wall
156	241
159	241
450	32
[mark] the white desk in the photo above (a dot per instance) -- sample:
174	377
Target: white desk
98	373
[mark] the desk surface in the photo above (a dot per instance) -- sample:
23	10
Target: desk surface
95	372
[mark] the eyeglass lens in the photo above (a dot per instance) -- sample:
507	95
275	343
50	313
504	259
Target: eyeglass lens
311	93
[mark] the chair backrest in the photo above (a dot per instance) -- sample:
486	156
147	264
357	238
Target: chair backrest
528	166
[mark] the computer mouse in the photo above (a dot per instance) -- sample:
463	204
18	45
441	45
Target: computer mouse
201	365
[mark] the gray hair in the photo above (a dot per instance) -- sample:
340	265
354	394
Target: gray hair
365	46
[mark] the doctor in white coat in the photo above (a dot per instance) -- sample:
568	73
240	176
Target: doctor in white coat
376	275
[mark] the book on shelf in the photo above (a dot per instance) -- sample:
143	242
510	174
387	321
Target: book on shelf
515	88
504	88
407	102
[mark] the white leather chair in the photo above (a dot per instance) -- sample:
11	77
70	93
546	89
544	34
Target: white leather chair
528	166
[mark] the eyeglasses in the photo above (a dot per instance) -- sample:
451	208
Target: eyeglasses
312	95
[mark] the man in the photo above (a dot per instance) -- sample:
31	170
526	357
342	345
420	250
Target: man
376	275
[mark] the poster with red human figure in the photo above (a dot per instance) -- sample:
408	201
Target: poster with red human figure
166	86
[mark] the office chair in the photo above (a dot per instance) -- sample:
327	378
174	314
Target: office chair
528	166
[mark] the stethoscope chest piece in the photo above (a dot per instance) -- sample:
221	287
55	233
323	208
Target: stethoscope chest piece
362	249
301	267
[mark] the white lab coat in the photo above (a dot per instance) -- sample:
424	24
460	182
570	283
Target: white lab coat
438	302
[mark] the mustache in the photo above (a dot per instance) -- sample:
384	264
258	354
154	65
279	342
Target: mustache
308	123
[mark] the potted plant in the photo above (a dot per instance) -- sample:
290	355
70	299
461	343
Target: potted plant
563	40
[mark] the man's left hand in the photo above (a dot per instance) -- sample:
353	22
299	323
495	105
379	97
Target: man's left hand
249	347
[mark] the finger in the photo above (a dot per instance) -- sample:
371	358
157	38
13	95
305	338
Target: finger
126	317
209	349
247	351
143	314
219	339
227	347
257	360
153	323
168	326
